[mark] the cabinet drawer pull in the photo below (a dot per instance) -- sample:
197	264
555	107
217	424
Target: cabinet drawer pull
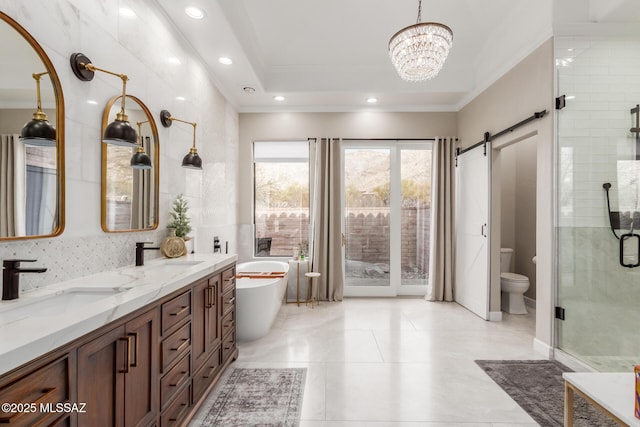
181	346
207	294
135	348
231	301
212	296
179	416
46	392
127	354
210	373
182	310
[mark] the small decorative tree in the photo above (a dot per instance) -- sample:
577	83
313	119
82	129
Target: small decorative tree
179	219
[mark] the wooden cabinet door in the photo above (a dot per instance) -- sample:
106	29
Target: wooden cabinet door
101	366
205	319
141	382
213	319
117	375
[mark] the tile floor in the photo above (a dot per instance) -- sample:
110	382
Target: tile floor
395	362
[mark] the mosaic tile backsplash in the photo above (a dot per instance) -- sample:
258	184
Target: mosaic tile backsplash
70	258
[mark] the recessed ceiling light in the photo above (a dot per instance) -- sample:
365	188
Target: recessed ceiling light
181	98
225	61
279	98
372	100
248	89
125	11
194	12
173	60
92	102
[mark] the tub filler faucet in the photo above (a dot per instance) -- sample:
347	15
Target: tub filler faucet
11	276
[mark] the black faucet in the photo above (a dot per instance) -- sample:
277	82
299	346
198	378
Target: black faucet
11	276
140	248
216	244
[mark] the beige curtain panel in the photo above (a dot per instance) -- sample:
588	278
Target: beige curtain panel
13	181
326	249
441	266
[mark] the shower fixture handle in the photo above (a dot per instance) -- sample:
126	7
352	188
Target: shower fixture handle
624	238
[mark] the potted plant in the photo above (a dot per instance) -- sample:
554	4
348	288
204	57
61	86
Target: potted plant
179	219
179	226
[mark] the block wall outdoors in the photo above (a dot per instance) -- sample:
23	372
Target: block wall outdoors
367	235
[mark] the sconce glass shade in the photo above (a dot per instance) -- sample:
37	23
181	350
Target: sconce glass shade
192	160
120	132
39	132
140	160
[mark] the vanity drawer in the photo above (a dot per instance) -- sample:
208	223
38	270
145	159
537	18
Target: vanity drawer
46	385
228	279
228	302
203	378
228	346
228	322
176	310
175	378
178	410
175	345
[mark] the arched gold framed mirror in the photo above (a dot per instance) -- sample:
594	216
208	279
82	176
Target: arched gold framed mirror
31	163
130	195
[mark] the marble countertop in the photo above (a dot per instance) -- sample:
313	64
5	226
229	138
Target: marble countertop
47	318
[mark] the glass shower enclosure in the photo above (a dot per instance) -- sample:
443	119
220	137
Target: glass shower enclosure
598	201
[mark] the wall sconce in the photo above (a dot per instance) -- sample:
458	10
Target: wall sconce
39	132
119	132
192	160
140	160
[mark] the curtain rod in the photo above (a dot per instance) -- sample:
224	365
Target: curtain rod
488	137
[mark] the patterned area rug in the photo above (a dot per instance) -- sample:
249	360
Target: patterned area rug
537	386
259	397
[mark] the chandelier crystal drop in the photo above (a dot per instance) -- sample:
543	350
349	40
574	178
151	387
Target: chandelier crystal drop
419	51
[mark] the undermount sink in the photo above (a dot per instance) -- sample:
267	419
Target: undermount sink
59	302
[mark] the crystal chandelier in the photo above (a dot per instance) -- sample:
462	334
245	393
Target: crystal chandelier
418	51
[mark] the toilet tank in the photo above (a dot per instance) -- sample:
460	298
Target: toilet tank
505	259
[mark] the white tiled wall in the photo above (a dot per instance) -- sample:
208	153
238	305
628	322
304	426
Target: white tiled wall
603	78
138	47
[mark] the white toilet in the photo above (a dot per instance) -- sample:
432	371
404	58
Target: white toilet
513	285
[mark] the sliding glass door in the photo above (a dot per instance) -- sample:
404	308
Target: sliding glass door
387	190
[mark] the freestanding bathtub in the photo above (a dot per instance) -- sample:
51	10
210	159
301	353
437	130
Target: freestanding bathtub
258	300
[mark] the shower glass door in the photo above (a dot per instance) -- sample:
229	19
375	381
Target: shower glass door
598	298
387	217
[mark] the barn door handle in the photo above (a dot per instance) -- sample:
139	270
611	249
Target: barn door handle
483	230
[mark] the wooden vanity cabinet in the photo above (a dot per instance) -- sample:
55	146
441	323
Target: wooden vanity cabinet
117	374
152	367
228	314
45	382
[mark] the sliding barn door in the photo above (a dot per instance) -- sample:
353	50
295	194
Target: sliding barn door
471	288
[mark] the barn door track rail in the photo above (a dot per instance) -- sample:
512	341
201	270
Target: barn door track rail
488	137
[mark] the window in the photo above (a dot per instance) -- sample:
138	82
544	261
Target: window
281	197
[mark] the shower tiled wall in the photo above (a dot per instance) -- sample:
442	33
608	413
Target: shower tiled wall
139	47
600	78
